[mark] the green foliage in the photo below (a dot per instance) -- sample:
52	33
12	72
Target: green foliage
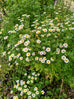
37	36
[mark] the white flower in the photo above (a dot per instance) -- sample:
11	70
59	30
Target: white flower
0	32
43	47
38	74
44	53
42	92
27	54
29	76
36	58
38	41
37	92
37	32
35	78
25	74
8	45
63	51
27	43
32	77
63	57
5	37
33	53
41	53
45	30
48	62
33	73
21	94
25	90
58	51
31	81
35	89
29	97
22	82
44	58
12	55
48	49
11	91
19	88
50	30
25	86
15	97
29	92
27	59
16	25
21	27
9	52
0	66
52	59
65	45
26	36
28	82
48	35
39	27
66	60
33	95
21	58
42	61
60	45
25	49
17	81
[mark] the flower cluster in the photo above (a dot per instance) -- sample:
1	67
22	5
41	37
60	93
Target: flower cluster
41	44
27	87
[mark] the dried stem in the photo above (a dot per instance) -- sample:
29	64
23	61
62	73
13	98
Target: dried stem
61	88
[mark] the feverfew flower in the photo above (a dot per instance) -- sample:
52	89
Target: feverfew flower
63	51
25	49
63	57
25	74
0	66
5	37
38	41
25	86
45	30
42	92
21	58
27	43
42	61
21	27
37	32
28	54
35	89
65	45
60	45
52	59
48	62
15	97
0	32
27	59
48	49
33	95
26	36
29	97
29	92
37	92
36	58
66	60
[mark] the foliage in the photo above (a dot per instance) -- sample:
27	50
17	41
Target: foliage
37	38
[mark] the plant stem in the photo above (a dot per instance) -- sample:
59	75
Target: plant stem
61	88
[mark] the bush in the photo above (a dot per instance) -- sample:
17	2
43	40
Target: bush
38	42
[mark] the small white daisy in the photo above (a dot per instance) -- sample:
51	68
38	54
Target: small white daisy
48	62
